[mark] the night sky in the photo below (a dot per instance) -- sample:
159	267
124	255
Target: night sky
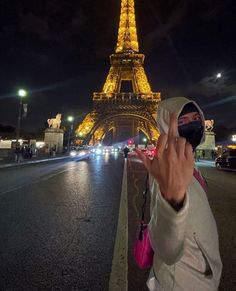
59	51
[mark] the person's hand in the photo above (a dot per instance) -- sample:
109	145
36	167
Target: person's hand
173	164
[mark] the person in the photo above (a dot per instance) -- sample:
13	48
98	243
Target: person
54	149
182	228
126	151
17	154
203	154
213	154
196	156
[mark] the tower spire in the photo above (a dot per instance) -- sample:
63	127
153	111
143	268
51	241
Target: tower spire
127	33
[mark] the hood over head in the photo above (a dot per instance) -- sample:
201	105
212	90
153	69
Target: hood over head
171	105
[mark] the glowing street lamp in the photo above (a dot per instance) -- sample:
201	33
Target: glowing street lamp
233	138
145	141
70	119
21	94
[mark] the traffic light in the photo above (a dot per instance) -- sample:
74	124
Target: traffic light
130	141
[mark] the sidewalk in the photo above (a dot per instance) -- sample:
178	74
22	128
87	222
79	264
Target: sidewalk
206	161
10	162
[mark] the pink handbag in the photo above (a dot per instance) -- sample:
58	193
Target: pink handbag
143	252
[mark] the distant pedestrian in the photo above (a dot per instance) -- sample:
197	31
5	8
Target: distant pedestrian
126	151
30	152
19	151
54	149
203	154
27	152
17	154
196	156
212	154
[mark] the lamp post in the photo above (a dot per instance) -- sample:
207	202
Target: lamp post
22	94
145	141
70	119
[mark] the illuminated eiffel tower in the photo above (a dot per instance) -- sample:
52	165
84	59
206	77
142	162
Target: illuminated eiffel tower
118	115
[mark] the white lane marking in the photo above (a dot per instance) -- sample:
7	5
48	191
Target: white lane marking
119	272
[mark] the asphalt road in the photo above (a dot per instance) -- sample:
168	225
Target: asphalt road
58	224
222	198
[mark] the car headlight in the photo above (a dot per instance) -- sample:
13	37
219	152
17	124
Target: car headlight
98	151
82	153
73	154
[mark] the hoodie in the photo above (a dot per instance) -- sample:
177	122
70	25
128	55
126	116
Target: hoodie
185	242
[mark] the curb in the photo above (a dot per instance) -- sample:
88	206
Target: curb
31	162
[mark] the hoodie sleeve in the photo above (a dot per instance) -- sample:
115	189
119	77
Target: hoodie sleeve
167	227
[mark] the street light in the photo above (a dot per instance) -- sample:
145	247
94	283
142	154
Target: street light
145	141
70	119
22	94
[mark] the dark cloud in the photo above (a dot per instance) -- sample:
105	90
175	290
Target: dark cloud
165	17
35	26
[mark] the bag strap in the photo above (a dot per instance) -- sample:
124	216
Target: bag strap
200	179
143	207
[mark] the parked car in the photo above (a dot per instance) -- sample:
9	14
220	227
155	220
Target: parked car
227	160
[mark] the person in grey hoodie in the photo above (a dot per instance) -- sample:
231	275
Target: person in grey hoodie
182	228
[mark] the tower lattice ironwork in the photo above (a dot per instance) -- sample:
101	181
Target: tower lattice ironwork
118	113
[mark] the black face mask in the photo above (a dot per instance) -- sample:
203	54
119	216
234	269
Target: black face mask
193	132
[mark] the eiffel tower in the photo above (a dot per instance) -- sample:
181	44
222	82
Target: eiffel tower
118	115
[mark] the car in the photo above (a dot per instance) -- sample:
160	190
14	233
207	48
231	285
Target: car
227	160
79	152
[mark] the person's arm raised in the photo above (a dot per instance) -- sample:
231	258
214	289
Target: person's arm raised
173	166
173	170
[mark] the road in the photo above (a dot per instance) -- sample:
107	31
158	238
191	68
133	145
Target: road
58	223
222	198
